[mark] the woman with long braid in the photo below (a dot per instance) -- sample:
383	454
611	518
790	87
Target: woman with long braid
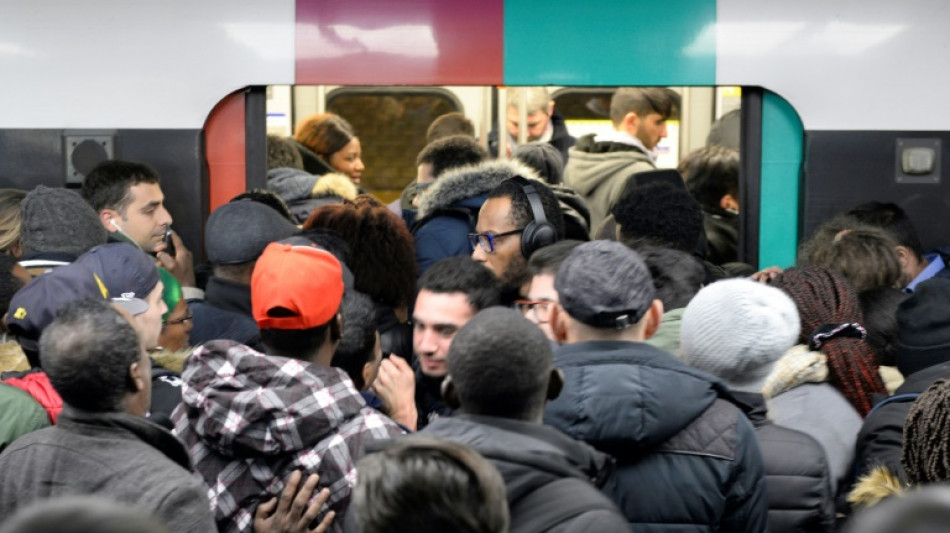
831	323
815	386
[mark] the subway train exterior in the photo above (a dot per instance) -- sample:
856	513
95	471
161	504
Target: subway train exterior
842	101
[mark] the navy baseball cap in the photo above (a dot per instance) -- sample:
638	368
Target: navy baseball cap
35	306
604	284
128	273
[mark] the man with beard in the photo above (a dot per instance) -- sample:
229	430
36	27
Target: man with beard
600	165
519	217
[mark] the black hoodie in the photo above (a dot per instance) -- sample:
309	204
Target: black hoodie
531	456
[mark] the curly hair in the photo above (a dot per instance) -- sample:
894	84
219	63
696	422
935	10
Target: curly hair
825	297
925	455
382	250
661	214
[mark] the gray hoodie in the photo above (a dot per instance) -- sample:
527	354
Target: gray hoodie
598	172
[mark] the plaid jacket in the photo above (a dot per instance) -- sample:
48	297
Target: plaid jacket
248	420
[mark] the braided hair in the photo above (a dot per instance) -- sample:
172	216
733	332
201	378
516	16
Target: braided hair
825	297
926	451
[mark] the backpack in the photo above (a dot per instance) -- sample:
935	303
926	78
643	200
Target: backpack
900	398
555	503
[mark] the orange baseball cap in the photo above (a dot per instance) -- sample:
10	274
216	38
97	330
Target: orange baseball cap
295	287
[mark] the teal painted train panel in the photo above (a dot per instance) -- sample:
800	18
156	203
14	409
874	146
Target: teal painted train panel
634	42
782	142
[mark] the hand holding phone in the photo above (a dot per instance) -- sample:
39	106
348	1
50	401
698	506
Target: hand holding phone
169	243
177	259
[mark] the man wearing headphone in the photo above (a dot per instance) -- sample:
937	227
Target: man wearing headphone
519	217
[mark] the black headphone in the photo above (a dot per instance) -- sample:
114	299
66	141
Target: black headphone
539	232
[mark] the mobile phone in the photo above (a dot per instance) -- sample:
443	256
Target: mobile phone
169	243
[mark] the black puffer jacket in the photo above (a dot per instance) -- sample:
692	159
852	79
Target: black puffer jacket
687	459
532	456
881	435
796	474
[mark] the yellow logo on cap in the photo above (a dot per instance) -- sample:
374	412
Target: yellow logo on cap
20	313
102	287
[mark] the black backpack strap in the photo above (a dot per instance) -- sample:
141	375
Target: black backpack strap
900	398
468	214
556	502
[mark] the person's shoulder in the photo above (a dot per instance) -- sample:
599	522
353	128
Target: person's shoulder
717	433
48	436
184	506
567	505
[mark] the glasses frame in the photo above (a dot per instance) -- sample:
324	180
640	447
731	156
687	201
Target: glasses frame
479	239
530	306
188	317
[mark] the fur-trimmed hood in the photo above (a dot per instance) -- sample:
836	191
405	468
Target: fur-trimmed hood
469	181
878	485
797	366
335	184
293	185
171	360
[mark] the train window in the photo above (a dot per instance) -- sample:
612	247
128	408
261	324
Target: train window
576	103
391	121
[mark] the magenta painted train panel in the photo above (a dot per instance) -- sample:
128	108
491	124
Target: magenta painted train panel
384	42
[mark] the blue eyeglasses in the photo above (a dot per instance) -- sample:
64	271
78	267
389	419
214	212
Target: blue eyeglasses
487	240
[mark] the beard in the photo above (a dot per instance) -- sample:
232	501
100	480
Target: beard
516	274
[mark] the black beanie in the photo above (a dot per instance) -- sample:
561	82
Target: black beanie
923	327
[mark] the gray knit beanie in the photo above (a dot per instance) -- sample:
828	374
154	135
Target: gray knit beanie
736	329
56	220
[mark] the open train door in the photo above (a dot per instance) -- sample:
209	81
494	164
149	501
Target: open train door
770	179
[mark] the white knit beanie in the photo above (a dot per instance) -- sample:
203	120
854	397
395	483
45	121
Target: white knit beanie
736	329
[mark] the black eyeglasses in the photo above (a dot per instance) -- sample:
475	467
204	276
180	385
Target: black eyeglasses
487	240
181	320
541	311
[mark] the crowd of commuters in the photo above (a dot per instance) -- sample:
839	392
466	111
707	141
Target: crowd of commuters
540	342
